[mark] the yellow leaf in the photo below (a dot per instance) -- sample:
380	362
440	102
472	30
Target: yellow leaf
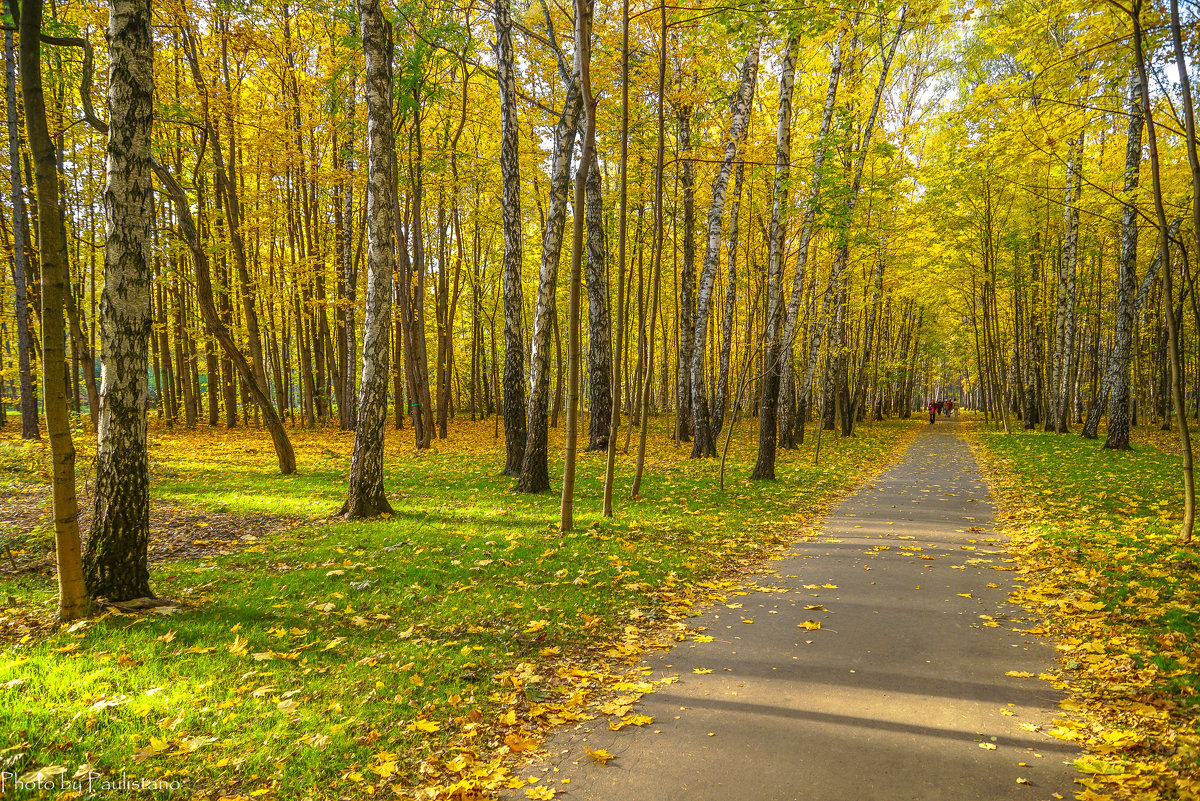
702	670
518	743
638	720
1020	674
600	755
543	793
810	625
425	725
238	646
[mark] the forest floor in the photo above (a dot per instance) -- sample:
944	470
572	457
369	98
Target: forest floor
425	656
419	656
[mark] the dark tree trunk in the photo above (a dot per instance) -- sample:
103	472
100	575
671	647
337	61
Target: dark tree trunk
599	339
514	341
20	261
73	599
764	467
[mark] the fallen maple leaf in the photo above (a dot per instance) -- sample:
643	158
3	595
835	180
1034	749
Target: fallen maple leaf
600	755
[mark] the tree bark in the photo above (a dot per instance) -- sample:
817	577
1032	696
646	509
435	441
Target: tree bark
787	388
20	262
365	496
686	330
764	467
1116	380
510	205
72	592
703	436
583	53
115	561
534	472
599	337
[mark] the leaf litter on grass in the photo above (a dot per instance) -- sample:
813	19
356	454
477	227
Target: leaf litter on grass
1094	533
423	656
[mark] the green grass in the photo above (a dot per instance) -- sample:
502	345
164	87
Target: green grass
286	674
1097	531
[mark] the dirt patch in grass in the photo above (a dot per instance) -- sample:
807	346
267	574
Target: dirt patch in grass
176	531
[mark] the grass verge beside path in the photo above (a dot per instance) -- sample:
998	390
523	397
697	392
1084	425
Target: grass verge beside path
1095	531
407	657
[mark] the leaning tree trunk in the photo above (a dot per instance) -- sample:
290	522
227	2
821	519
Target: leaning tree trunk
72	593
1116	381
534	472
703	437
510	174
365	497
20	261
115	562
787	393
841	256
599	339
1189	118
764	467
721	399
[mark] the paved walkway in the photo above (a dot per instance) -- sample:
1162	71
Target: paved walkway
901	694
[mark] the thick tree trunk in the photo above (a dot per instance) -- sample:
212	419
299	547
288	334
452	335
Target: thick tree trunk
764	467
20	261
72	593
704	438
583	61
115	561
365	496
1116	381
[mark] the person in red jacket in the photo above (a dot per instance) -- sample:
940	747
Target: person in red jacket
934	406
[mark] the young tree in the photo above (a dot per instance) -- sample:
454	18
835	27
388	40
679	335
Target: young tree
583	58
115	561
365	496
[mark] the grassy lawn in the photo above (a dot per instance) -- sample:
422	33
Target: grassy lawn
1097	531
412	656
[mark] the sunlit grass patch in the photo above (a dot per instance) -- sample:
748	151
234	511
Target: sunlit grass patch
1097	532
338	658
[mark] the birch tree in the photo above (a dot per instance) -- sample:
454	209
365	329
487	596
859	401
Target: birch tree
703	435
510	206
116	558
365	497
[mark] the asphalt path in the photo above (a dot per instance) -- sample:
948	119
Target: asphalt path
903	693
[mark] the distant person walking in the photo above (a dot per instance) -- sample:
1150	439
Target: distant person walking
948	406
934	407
